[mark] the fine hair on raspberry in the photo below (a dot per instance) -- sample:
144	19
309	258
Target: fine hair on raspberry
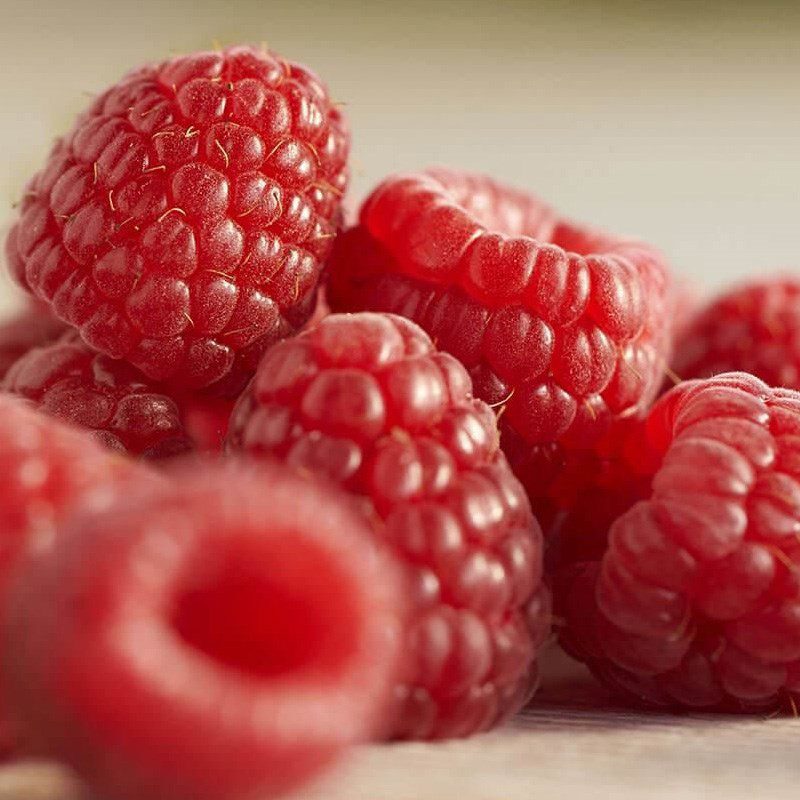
184	221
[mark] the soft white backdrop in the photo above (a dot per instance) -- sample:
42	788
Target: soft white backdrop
676	123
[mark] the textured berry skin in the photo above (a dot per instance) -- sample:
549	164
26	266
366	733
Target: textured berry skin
561	327
366	401
124	410
754	328
28	329
183	222
696	601
223	637
48	469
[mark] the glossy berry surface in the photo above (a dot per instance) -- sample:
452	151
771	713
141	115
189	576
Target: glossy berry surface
754	328
696	601
366	401
121	408
183	222
222	637
562	328
48	469
24	331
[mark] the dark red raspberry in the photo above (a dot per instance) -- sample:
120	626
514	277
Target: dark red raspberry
753	328
366	401
182	224
563	329
47	469
696	601
123	409
224	636
28	329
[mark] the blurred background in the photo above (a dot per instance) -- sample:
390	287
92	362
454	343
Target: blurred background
674	121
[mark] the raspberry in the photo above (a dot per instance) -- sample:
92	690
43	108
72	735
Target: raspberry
182	224
47	469
28	329
562	328
696	601
753	328
123	410
224	636
365	401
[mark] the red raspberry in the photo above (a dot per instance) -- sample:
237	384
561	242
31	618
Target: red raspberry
124	410
222	637
28	329
367	402
696	601
183	222
753	328
563	329
47	469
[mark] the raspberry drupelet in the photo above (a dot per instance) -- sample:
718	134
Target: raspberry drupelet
120	407
754	328
696	601
183	222
563	329
366	401
224	636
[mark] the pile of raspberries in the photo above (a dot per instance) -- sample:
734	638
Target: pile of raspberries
276	482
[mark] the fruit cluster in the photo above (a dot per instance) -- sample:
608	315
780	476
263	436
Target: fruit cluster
247	525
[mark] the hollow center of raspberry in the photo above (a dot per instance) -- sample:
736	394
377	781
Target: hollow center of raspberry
269	617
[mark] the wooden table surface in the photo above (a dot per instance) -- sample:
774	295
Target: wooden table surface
573	743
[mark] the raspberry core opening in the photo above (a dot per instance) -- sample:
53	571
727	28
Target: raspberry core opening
268	614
